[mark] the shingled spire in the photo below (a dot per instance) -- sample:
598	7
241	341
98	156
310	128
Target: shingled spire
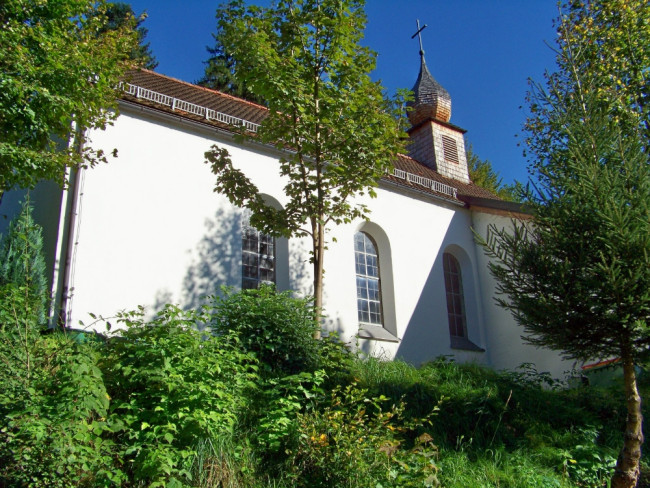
434	141
430	100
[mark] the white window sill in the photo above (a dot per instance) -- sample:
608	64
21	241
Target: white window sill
376	332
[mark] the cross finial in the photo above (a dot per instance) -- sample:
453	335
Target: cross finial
420	29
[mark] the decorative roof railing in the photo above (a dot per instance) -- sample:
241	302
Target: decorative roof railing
426	182
192	108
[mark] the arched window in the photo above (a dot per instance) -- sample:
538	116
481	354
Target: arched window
258	255
455	298
368	285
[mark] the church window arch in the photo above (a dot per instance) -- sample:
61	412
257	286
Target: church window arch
369	299
258	255
456	314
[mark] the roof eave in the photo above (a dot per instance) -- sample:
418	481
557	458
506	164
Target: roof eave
495	204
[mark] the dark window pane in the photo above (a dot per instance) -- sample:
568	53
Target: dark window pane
454	292
258	260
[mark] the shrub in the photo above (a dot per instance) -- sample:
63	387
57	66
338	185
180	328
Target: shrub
53	404
355	441
275	326
171	387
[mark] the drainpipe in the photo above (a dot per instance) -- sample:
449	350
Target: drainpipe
62	279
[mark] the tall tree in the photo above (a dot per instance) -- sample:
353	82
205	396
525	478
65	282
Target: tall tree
220	71
577	276
118	15
483	174
58	65
305	59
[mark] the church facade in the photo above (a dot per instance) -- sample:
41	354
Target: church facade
148	229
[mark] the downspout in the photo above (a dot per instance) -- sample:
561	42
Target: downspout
61	281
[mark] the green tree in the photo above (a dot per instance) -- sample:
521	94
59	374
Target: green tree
483	174
220	72
577	276
332	122
58	65
22	263
120	15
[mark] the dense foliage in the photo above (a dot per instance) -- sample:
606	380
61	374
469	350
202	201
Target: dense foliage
120	15
22	262
166	402
482	173
171	387
59	66
220	69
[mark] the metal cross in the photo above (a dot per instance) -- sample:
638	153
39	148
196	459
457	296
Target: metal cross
420	29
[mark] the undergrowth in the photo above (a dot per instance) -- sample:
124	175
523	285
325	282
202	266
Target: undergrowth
162	404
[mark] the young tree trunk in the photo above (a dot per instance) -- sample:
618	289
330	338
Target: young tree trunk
319	248
626	474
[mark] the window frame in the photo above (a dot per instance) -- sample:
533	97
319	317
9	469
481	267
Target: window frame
250	235
368	261
454	296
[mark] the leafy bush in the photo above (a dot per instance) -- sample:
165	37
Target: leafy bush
278	328
282	400
53	404
354	441
171	387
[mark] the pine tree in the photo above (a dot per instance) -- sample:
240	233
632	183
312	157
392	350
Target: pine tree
220	72
577	276
21	260
119	14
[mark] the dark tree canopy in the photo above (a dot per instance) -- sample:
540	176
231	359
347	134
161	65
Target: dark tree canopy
119	14
482	173
220	72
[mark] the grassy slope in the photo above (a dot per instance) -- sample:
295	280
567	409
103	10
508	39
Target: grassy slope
507	429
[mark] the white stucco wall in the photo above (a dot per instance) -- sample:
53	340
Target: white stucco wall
418	230
151	228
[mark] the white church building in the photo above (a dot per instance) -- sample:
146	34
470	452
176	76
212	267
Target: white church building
148	229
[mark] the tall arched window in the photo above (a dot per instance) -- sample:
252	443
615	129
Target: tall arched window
455	298
258	255
368	284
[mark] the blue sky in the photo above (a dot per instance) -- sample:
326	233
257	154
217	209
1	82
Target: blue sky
482	51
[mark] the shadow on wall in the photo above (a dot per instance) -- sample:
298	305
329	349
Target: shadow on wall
427	334
298	275
217	262
217	259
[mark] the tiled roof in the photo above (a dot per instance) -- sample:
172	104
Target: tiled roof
198	95
452	190
414	167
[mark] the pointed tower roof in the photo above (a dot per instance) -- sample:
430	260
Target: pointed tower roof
431	100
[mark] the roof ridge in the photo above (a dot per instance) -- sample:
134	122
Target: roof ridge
209	90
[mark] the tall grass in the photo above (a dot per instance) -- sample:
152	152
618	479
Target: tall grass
502	429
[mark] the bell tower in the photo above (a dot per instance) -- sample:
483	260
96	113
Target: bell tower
435	142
